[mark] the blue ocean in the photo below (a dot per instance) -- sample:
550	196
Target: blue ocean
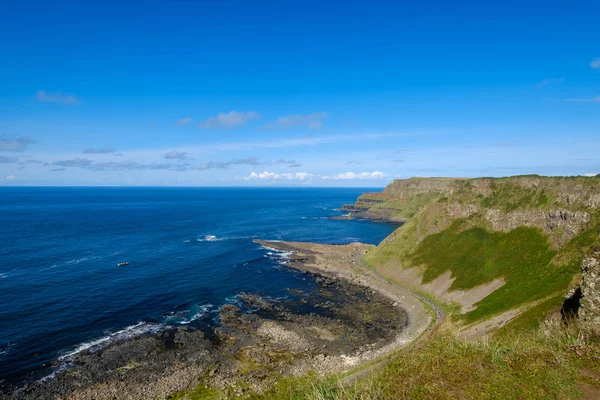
189	250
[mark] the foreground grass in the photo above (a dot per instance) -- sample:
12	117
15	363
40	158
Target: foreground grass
526	365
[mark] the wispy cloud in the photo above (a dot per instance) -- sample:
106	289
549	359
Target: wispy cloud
76	162
56	97
595	64
223	165
103	150
311	121
585	100
176	155
504	144
10	178
353	162
550	81
7	160
398	161
285	161
184	121
57	169
17	144
230	119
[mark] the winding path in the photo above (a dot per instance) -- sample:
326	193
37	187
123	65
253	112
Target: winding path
440	316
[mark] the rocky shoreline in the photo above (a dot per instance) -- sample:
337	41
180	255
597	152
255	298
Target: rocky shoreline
354	321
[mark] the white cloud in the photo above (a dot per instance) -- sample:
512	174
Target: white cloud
360	176
595	64
550	81
312	121
57	97
590	174
589	100
230	120
275	176
303	176
184	121
10	178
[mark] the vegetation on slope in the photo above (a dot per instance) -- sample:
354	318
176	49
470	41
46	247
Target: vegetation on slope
448	230
439	239
525	365
404	209
522	257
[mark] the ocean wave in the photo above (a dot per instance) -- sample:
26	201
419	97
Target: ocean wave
66	359
69	263
209	238
280	256
138	329
214	238
235	299
5	348
3	275
184	318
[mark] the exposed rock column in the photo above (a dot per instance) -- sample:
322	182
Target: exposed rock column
589	312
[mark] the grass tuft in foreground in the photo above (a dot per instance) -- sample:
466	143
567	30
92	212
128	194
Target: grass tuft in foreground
553	362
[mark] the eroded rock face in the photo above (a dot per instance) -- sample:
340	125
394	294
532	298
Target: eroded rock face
561	225
589	311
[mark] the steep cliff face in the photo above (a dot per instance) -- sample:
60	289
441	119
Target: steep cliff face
589	311
530	232
559	206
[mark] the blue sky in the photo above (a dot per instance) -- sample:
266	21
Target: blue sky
307	93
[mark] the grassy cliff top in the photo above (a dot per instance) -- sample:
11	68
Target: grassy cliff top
530	231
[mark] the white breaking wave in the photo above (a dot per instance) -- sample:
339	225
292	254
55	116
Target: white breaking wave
205	309
281	256
214	238
208	238
131	331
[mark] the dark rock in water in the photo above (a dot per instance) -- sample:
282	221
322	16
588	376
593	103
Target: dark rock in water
255	348
255	301
326	282
230	313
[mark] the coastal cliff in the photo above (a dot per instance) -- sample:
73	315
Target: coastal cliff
485	246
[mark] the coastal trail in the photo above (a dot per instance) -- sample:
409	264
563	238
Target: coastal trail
345	262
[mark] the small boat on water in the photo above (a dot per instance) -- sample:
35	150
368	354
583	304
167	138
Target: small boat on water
123	264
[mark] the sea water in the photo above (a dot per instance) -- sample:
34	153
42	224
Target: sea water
189	250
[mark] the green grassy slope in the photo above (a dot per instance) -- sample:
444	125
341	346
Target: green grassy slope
533	260
555	365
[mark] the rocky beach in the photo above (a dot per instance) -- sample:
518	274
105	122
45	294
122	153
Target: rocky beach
357	319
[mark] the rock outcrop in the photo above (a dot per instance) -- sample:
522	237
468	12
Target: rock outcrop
589	311
559	206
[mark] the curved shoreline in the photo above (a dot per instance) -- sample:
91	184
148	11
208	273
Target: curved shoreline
345	262
359	323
